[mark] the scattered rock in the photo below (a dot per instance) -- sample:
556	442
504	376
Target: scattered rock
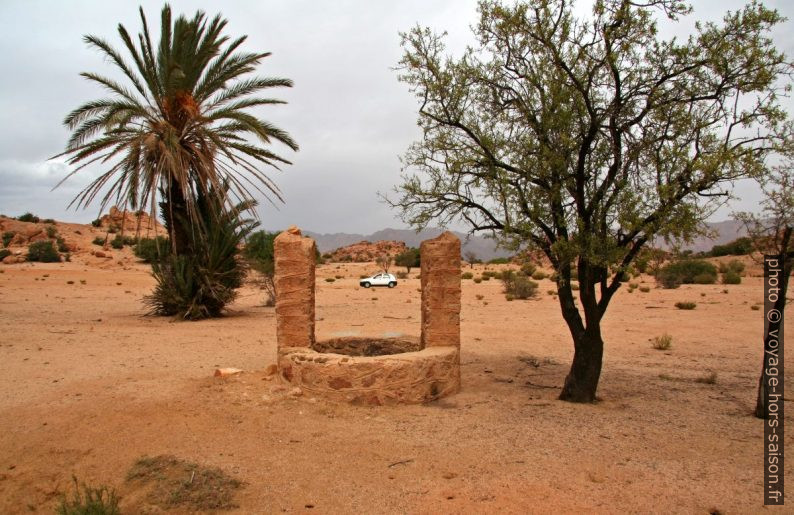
226	372
295	392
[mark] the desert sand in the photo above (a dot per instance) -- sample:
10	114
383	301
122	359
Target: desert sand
90	384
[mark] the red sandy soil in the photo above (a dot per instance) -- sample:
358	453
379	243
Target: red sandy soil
89	384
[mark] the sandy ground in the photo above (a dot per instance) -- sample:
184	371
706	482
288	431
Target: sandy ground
89	385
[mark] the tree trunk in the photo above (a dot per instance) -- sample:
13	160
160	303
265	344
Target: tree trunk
176	219
582	380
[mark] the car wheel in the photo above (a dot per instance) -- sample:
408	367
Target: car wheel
366	285
392	284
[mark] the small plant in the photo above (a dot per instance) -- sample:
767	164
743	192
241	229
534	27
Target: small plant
634	286
43	251
479	297
687	271
529	269
551	292
731	277
510	297
575	286
48	221
29	217
499	261
539	275
7	237
99	240
645	289
518	286
486	277
477	280
87	500
4	253
467	275
400	275
685	305
96	223
710	378
734	265
51	231
62	246
663	342
151	250
755	307
329	279
113	229
117	242
69	282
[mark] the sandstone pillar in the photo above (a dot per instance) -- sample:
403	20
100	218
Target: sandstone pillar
441	290
294	280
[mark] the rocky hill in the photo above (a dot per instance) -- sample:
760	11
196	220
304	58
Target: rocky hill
365	251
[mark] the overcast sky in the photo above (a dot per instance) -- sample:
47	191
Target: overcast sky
348	112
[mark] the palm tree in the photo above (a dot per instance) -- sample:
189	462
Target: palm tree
179	128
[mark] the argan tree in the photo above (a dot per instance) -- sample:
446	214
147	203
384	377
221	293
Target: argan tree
179	128
770	232
409	259
588	137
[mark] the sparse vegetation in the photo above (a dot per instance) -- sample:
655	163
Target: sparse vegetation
663	342
100	240
52	231
28	217
477	280
686	271
738	247
43	251
149	250
731	277
539	275
734	265
181	484
97	222
409	259
7	237
685	305
518	286
4	253
329	279
645	289
499	261
88	500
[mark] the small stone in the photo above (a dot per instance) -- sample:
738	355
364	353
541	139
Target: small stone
296	392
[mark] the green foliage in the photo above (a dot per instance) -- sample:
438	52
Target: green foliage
329	279
409	259
738	247
645	289
687	271
538	275
185	101
43	251
151	249
518	286
466	275
499	261
258	251
97	222
62	247
51	231
731	277
29	217
88	500
477	280
7	237
529	269
117	242
685	305
4	253
200	284
734	265
100	240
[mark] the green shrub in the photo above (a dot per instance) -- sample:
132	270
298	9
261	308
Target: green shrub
43	251
99	240
48	221
518	286
499	261
201	283
467	275
51	231
490	273
477	280
29	217
117	242
731	277
87	500
486	277
113	229
329	279
409	259
7	237
687	271
685	305
663	342
738	247
96	223
4	253
645	289
734	265
61	245
151	250
539	275
529	269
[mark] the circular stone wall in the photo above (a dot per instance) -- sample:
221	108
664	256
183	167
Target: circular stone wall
404	378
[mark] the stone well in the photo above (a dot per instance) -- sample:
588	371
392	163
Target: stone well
373	370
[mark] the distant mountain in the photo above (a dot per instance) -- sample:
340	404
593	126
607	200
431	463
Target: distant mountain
486	248
483	248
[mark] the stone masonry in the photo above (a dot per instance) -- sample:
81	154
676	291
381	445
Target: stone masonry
361	375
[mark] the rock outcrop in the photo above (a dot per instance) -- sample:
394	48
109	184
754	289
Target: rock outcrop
365	251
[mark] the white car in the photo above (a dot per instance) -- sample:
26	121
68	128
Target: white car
379	280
